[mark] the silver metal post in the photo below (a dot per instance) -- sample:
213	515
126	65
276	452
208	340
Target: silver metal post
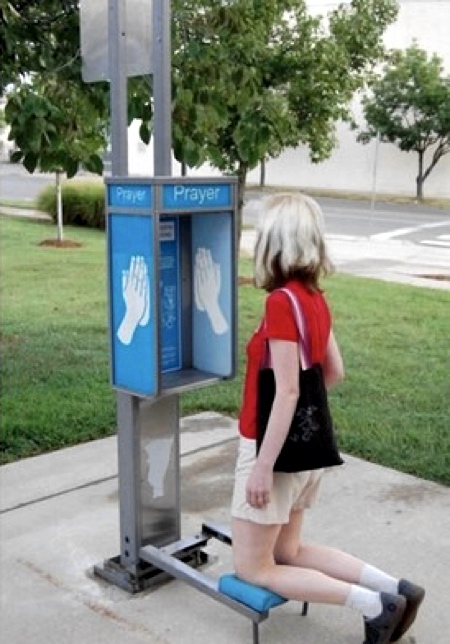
118	86
129	446
164	417
162	92
128	430
374	174
147	430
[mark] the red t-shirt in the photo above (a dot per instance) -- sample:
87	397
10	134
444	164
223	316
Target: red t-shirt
279	324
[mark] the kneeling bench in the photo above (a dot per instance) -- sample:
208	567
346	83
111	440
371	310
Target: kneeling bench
258	599
251	601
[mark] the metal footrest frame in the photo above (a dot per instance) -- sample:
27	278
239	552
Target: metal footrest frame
145	575
180	560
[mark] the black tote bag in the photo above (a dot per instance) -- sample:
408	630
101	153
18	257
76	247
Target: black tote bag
311	442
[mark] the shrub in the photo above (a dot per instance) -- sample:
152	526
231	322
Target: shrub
83	203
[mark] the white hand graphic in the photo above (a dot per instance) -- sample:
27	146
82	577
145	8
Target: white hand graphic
136	295
207	289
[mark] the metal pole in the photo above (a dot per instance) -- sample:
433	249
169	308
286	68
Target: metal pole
128	434
374	174
166	414
118	86
147	431
162	91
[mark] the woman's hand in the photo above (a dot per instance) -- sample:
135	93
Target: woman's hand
259	486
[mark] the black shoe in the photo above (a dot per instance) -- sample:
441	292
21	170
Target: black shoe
379	629
414	596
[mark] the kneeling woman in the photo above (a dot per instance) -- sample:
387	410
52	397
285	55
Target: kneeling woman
268	506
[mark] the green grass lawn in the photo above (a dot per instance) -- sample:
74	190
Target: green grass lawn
392	408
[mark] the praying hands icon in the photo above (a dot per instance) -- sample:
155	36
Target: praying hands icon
136	296
207	283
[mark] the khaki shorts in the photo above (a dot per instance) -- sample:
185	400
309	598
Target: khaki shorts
290	491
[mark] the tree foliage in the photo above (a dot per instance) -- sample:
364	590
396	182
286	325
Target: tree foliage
39	37
56	127
409	106
57	122
249	77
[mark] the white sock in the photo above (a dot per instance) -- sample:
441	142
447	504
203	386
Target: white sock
367	602
376	579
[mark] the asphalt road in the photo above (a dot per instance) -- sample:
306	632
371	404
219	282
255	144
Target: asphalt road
347	218
343	218
16	183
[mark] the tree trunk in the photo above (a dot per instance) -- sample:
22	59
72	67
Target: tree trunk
262	173
183	169
59	207
242	179
419	178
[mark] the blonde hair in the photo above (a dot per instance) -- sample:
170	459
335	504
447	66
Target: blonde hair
290	242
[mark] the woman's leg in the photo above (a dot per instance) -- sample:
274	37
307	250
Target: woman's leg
290	551
254	561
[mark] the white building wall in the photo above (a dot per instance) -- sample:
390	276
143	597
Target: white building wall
353	166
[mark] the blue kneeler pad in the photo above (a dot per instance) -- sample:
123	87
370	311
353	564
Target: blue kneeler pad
260	599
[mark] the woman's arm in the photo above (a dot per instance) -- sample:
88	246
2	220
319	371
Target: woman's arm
285	364
333	366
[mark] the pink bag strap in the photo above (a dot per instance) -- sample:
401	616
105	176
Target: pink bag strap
304	354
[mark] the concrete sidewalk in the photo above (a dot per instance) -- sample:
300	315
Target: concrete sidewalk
26	213
60	518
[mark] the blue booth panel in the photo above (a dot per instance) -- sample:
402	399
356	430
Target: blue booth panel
172	291
132	303
213	310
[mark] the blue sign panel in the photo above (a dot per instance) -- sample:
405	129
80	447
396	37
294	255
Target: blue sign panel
196	196
170	328
212	309
132	302
130	195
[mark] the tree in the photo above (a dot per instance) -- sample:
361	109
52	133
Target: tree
2	128
249	77
56	128
38	37
409	106
58	123
253	77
